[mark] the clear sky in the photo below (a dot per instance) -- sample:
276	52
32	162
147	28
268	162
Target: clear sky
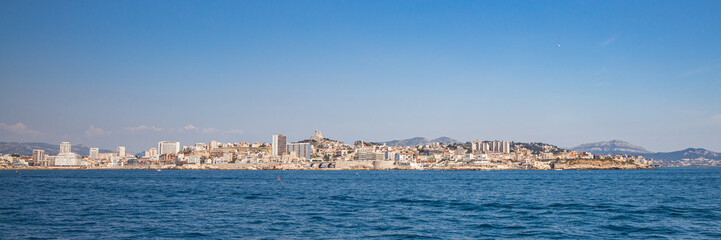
109	73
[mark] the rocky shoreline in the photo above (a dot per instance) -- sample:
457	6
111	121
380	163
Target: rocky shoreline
579	164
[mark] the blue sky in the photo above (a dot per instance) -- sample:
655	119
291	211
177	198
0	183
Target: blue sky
109	73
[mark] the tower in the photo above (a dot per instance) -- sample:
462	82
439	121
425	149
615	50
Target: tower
94	154
278	144
121	151
39	158
65	147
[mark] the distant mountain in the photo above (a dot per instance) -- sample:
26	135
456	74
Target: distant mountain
689	153
445	140
620	147
420	141
50	149
610	147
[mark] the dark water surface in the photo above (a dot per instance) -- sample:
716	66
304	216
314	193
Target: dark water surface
117	204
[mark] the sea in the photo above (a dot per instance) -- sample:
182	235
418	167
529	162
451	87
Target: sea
666	203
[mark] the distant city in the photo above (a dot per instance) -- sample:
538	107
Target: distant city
319	152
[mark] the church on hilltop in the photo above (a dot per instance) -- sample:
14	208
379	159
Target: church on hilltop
317	137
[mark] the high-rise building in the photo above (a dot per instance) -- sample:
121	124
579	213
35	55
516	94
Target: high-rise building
506	147
278	144
495	146
121	151
66	157
300	149
39	158
485	147
168	147
153	152
500	146
214	144
65	147
94	154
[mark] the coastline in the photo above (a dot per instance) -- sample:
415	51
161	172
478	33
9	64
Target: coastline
370	166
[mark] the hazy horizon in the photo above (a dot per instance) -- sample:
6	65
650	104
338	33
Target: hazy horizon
132	73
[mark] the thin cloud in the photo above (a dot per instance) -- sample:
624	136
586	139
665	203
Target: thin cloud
702	69
209	130
92	131
191	127
144	127
716	118
609	41
235	131
187	129
19	129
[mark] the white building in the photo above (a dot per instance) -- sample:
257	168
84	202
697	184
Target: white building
19	163
226	158
66	157
214	144
194	160
65	147
153	152
168	147
94	154
121	151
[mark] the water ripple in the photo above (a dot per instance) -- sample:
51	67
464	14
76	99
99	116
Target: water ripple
666	203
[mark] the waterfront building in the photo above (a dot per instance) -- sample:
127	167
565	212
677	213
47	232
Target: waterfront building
392	156
168	147
94	154
226	158
39	158
66	157
194	160
19	163
121	151
68	160
279	144
300	149
369	156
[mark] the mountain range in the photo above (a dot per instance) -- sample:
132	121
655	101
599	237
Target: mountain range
610	147
50	149
412	142
622	147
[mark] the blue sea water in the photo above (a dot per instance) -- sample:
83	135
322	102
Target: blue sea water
131	204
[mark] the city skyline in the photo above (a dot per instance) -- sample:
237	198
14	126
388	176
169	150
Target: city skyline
109	74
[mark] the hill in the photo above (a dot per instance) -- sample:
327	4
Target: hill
50	149
689	153
698	156
610	147
411	142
